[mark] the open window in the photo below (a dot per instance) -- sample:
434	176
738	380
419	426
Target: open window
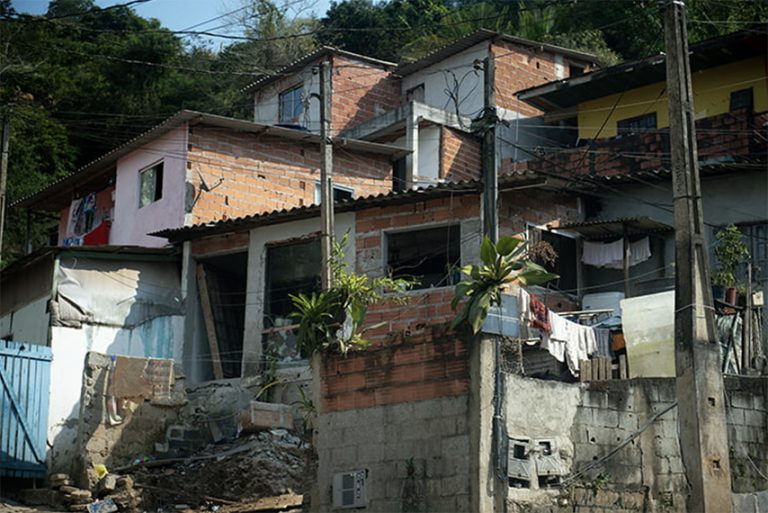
291	268
742	99
339	193
150	184
431	256
558	254
637	124
292	105
221	284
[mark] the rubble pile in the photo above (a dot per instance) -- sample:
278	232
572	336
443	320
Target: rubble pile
267	464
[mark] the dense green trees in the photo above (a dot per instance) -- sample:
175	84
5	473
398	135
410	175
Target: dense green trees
82	79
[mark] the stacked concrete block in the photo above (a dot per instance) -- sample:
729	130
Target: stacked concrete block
747	412
428	440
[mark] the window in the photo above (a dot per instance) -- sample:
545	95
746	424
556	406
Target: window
291	269
150	185
291	105
431	256
637	124
399	179
741	99
574	70
339	193
563	262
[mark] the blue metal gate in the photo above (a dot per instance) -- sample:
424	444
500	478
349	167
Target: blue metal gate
25	379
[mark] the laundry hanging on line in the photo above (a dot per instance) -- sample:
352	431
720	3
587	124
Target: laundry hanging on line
565	340
611	254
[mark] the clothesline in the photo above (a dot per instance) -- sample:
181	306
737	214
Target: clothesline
567	341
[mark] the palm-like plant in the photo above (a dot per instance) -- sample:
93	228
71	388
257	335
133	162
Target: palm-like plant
503	263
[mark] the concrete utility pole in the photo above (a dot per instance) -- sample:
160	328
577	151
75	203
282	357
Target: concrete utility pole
700	392
4	176
490	173
326	175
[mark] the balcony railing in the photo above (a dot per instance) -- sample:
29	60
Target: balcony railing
731	138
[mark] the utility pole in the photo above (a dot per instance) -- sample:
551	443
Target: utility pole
700	393
490	173
4	176
326	176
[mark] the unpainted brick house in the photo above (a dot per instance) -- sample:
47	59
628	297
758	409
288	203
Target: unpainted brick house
197	168
408	423
426	106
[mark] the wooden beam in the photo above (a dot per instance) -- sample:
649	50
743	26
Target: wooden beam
210	325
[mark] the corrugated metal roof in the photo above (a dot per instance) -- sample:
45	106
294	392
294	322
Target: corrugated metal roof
713	52
478	37
379	200
91	251
309	59
607	228
97	172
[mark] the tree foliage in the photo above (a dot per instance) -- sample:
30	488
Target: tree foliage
88	78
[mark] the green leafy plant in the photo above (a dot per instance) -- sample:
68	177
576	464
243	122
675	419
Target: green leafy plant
503	263
730	251
333	319
306	407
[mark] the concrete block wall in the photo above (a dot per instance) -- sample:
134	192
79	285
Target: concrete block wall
262	174
747	409
401	412
429	436
596	418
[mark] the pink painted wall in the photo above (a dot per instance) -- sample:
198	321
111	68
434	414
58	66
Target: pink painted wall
132	224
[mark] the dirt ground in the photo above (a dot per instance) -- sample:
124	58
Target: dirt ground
266	464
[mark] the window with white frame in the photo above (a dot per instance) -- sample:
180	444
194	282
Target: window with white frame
430	256
339	193
292	105
150	184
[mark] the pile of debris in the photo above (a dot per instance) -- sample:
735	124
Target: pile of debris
267	464
115	493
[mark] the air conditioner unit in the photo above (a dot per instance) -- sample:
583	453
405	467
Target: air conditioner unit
349	489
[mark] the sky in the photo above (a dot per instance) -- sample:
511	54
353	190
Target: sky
178	14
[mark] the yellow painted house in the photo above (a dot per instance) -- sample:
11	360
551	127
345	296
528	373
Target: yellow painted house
729	73
617	154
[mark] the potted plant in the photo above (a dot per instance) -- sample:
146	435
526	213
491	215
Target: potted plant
730	252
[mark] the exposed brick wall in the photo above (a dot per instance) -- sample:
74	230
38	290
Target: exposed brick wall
536	206
262	174
429	365
225	243
520	67
733	134
461	157
360	92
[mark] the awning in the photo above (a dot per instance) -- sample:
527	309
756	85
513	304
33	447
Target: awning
606	229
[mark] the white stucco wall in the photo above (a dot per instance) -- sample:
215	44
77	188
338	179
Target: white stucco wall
439	77
161	337
29	323
429	154
132	224
267	102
